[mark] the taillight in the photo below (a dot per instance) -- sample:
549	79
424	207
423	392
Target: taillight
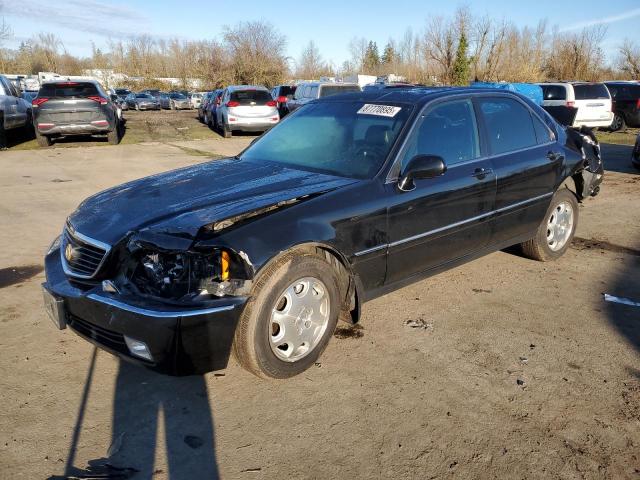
282	99
100	100
218	100
233	103
271	103
38	101
570	104
638	104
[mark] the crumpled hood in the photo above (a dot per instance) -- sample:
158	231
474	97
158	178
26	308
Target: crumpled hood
181	201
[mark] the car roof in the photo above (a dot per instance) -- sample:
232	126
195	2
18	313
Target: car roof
413	96
232	88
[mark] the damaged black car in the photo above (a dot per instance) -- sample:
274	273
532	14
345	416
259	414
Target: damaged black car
349	198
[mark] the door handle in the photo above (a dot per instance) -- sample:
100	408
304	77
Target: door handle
480	173
554	156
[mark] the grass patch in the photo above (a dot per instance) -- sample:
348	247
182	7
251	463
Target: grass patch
164	126
627	137
197	152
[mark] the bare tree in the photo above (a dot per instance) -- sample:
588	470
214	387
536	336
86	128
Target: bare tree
311	65
629	59
257	50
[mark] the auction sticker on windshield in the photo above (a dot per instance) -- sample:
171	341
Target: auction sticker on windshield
379	110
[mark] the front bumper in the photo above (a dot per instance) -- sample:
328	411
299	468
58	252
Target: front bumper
181	341
149	106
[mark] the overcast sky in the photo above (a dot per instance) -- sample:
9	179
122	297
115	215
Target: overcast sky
330	23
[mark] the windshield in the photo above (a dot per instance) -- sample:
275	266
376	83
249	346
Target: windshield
143	95
177	96
348	139
251	97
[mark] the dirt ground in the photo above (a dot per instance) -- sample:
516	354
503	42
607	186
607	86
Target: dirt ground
501	368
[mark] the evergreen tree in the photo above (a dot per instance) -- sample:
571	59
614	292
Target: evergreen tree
389	54
371	59
461	64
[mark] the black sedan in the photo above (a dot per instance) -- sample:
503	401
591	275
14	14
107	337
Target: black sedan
352	197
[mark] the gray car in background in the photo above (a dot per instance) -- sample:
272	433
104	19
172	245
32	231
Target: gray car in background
174	101
15	111
143	101
308	91
74	108
246	108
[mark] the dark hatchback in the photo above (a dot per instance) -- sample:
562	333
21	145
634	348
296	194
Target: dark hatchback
626	104
74	108
351	197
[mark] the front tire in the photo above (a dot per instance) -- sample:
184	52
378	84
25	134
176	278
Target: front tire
290	317
556	231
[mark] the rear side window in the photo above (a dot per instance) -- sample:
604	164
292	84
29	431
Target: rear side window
287	91
554	92
251	97
509	125
313	93
449	131
591	91
69	90
328	90
543	134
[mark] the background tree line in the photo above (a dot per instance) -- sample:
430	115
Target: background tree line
448	50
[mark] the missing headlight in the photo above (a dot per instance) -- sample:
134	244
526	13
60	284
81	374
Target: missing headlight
186	274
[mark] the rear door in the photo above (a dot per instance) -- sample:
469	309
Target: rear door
593	102
70	103
527	162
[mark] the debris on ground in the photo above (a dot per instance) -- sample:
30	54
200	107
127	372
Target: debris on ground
623	301
419	324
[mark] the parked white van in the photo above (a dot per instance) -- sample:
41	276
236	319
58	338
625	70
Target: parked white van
592	100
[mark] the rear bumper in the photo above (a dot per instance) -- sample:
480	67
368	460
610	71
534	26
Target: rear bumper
593	123
181	340
251	125
632	118
75	129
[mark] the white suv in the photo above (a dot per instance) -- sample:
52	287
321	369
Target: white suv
592	100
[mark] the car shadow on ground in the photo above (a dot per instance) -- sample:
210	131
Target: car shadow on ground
626	318
141	399
17	137
617	158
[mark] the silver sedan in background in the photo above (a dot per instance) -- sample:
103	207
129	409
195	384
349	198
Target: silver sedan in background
174	101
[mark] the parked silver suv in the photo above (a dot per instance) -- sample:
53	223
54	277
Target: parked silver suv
15	111
246	108
308	91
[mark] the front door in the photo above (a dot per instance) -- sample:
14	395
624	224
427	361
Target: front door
446	217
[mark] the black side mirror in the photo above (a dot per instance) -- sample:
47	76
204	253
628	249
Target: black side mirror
421	167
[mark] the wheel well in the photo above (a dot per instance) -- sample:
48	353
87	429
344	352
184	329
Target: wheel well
349	289
575	184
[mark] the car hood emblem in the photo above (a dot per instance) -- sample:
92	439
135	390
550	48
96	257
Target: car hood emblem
69	252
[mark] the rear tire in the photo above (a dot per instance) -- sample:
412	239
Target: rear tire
618	123
226	131
113	137
3	134
43	140
556	230
276	340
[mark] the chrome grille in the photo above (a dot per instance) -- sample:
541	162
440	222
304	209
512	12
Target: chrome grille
82	256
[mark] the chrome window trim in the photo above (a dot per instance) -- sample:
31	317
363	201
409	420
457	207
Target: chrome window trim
68	229
157	313
453	225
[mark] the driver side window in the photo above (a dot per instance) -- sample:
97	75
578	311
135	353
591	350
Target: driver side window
448	130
